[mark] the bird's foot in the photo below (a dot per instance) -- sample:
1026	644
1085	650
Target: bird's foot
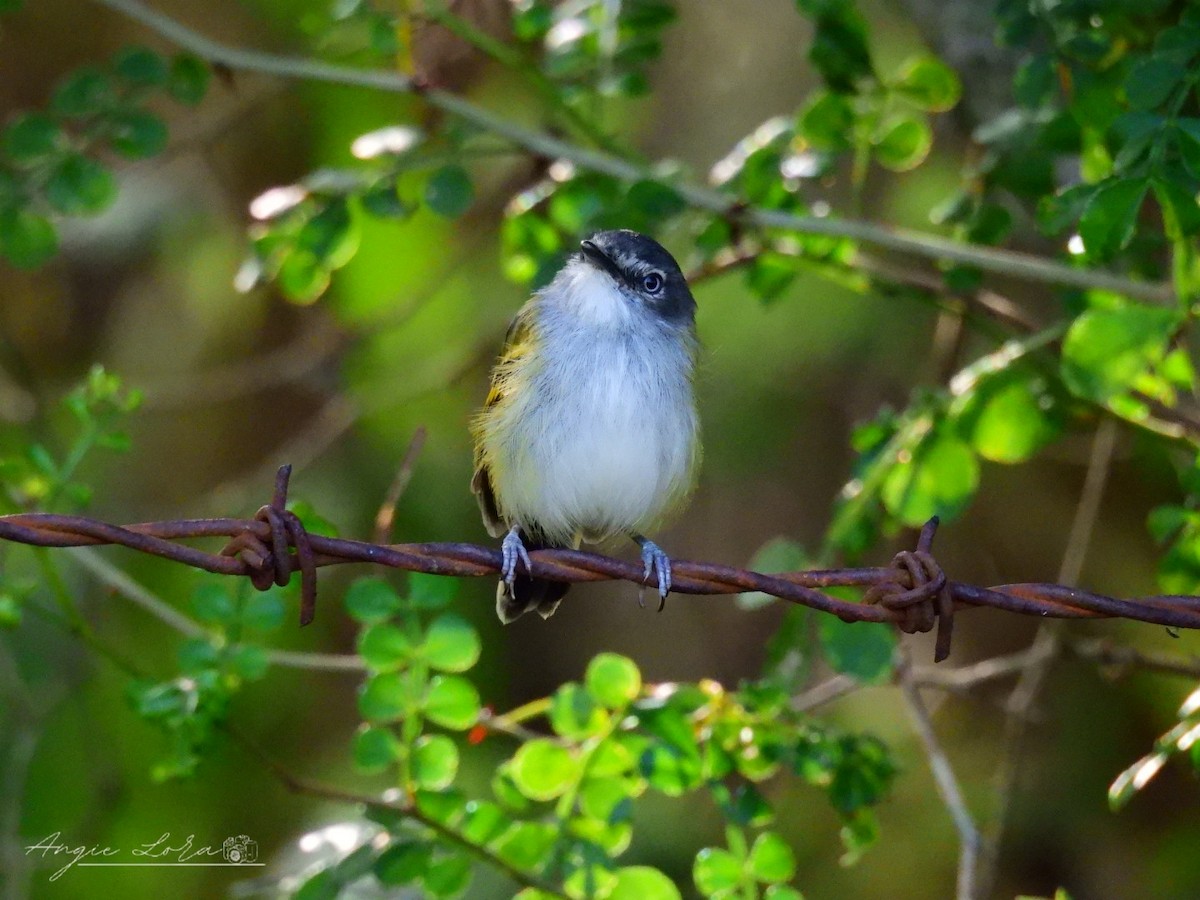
653	558
513	549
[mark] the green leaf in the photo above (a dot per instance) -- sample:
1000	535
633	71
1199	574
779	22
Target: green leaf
325	885
452	702
430	591
929	83
613	680
371	600
1057	211
434	762
770	274
575	713
449	191
447	876
526	845
137	134
213	604
403	862
196	655
938	478
301	276
782	892
26	239
827	121
1151	82
387	697
669	770
264	611
484	822
863	650
1008	416
903	142
655	200
716	871
450	644
771	859
1110	216
643	883
839	49
250	661
188	79
80	186
1180	211
31	137
376	749
777	555
1106	350
141	66
1036	81
83	93
385	647
542	770
1133	779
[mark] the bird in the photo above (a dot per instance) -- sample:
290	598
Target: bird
590	429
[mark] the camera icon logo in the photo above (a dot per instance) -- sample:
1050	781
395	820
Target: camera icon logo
239	849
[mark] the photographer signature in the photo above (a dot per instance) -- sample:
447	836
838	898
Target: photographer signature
233	851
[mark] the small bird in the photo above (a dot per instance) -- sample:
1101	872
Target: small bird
590	430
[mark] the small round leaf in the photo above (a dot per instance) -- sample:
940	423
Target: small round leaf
79	186
385	647
542	770
375	749
452	702
771	859
386	697
451	644
716	870
137	134
643	883
31	137
929	83
903	143
613	680
371	600
141	66
434	762
26	239
449	191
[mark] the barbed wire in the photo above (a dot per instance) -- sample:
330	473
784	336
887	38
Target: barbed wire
912	593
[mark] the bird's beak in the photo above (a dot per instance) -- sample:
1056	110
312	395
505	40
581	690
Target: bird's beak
600	259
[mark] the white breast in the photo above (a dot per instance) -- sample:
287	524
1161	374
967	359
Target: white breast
604	441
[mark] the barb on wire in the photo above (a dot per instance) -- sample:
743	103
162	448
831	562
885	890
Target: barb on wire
913	592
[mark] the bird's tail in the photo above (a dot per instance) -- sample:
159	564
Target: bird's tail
529	593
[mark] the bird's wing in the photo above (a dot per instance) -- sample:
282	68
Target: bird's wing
517	346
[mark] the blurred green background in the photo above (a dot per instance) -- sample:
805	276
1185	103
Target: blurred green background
237	384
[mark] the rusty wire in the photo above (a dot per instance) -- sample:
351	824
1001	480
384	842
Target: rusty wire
913	592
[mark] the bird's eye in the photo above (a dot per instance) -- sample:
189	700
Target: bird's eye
652	283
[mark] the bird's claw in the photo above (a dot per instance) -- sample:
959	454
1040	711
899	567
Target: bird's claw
653	558
512	549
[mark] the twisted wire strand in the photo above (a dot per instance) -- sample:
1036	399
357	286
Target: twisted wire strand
913	592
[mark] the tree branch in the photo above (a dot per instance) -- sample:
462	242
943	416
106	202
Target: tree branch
947	785
1005	262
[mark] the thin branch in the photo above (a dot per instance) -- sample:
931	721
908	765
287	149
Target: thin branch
969	837
833	688
299	785
1047	644
386	516
1105	653
1005	262
120	582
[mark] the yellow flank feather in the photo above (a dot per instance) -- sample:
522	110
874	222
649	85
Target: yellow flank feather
510	366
